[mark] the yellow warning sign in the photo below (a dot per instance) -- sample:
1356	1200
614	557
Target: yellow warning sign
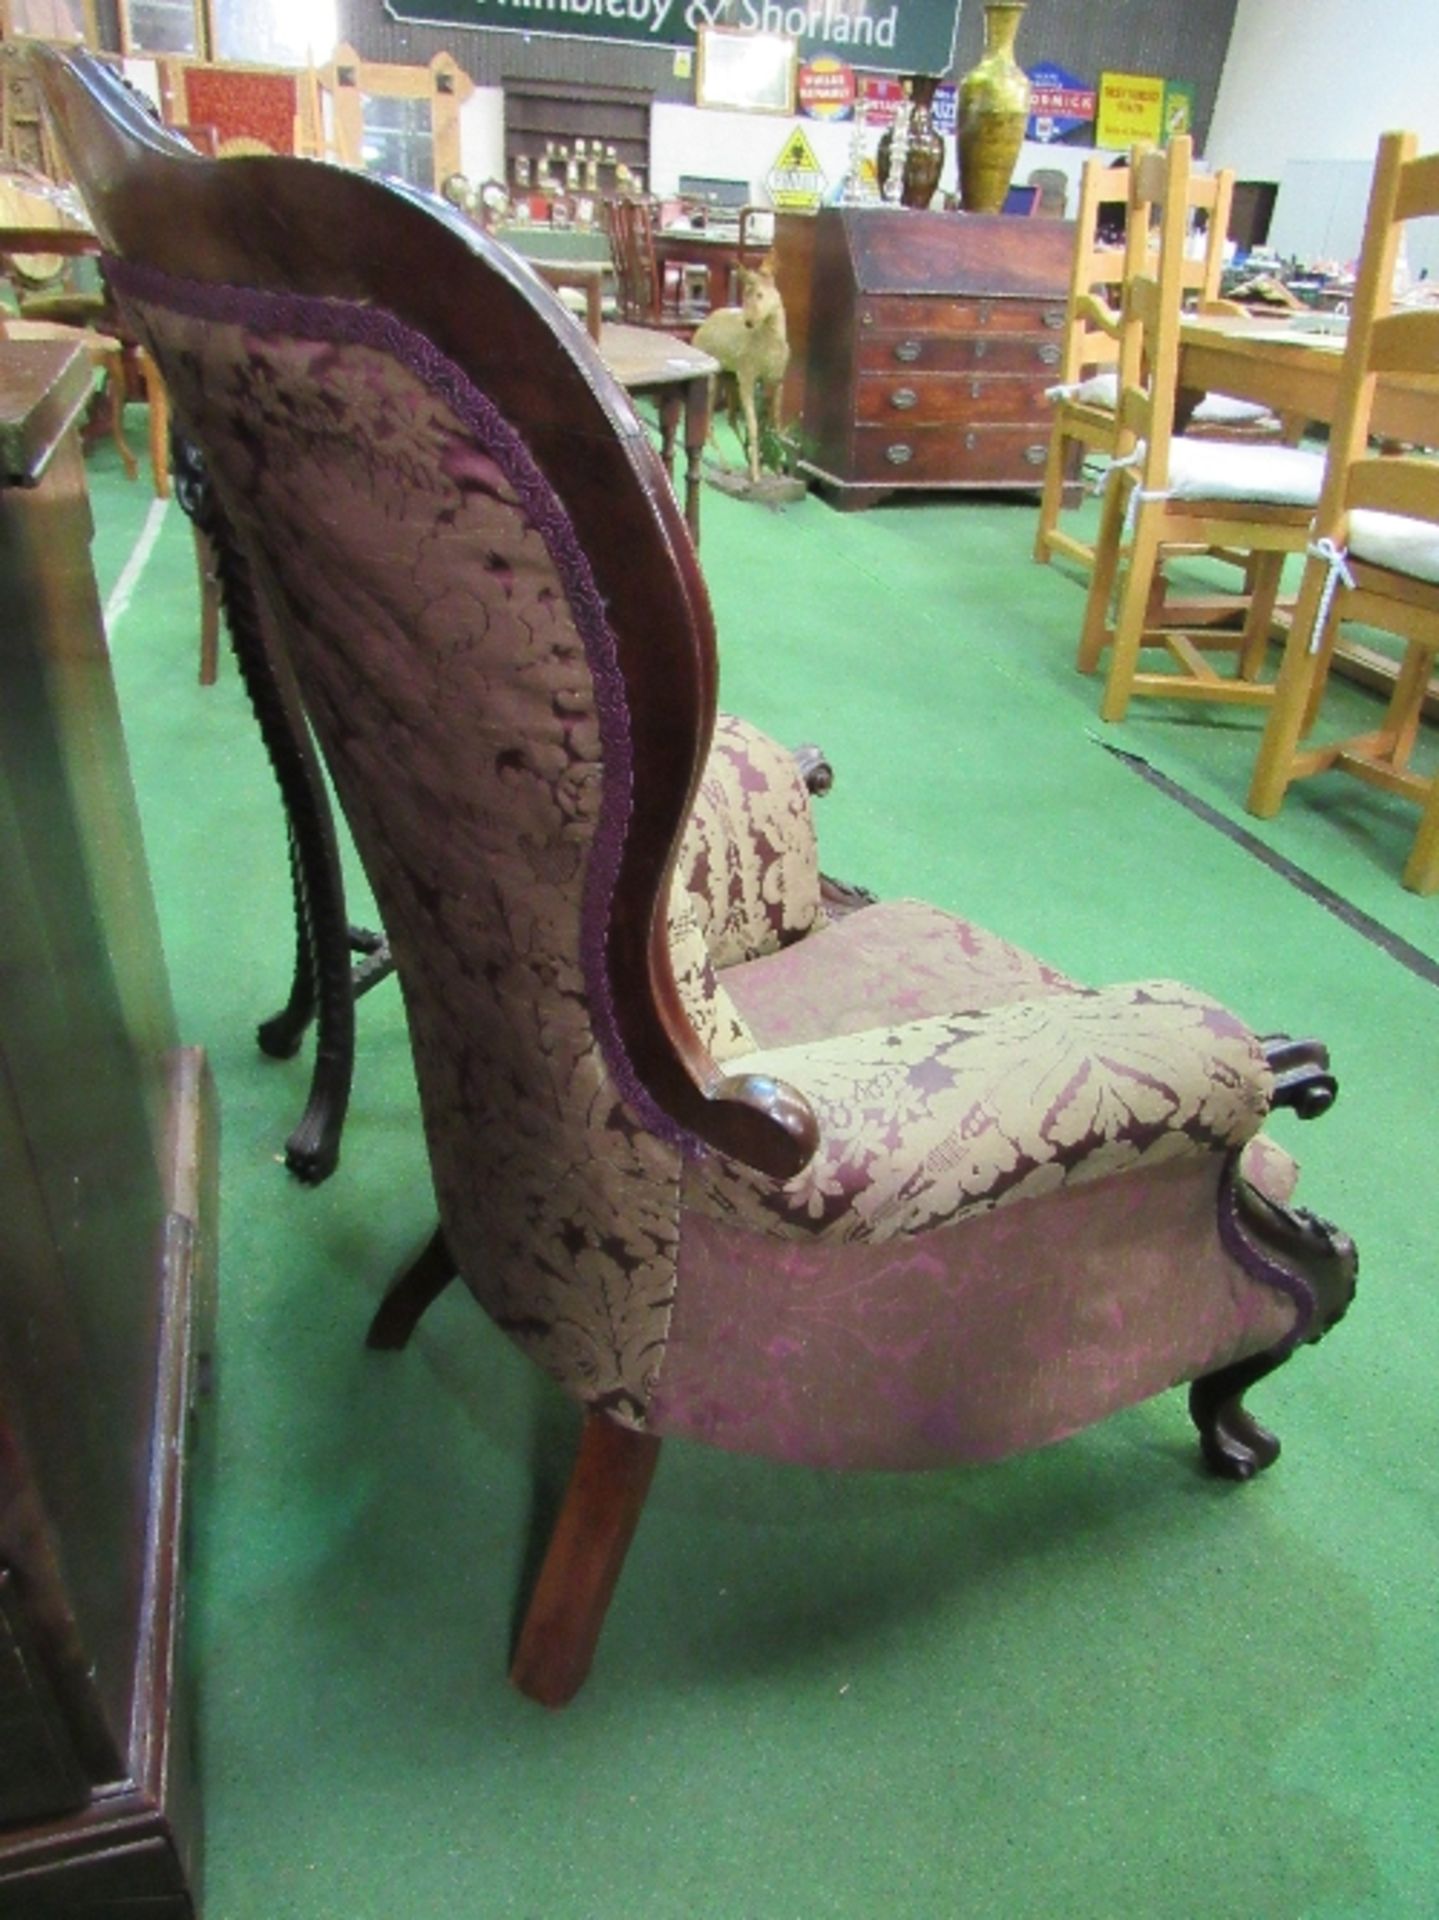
796	181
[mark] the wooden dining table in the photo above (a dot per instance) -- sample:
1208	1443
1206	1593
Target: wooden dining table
1295	371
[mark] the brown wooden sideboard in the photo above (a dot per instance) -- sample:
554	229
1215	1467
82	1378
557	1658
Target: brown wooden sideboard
922	344
107	1228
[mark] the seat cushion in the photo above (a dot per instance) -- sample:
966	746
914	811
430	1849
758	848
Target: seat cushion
1393	540
1099	390
899	960
1225	470
1214	410
1228	410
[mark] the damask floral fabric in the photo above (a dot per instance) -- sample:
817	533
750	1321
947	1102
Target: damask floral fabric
749	857
448	643
882	966
712	1012
923	1124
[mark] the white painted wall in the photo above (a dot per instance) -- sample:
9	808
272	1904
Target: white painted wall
1307	89
1322	79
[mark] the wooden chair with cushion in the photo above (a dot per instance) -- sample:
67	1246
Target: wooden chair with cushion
1107	247
1174	493
866	1188
1374	558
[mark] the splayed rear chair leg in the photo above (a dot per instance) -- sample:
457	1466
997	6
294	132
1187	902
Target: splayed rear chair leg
418	1286
582	1565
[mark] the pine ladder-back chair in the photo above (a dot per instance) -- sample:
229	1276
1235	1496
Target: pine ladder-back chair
1085	395
1084	412
1375	555
1174	493
865	1189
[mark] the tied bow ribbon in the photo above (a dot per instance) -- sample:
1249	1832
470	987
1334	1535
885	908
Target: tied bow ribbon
1337	571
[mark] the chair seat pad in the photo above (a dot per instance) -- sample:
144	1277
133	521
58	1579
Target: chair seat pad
1394	541
1225	470
899	960
1214	410
1099	390
1228	410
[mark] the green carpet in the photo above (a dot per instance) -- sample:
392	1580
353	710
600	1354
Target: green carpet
1086	1684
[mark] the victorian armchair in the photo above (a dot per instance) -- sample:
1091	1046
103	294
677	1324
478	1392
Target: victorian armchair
731	1157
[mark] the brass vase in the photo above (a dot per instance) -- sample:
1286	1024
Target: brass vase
924	156
993	109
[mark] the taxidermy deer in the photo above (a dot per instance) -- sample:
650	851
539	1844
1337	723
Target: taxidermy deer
750	342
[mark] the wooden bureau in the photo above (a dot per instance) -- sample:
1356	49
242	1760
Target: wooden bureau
108	1186
922	344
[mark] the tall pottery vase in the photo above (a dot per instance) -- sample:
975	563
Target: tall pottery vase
993	109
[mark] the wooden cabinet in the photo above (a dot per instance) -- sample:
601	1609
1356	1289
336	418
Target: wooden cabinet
925	342
107	1198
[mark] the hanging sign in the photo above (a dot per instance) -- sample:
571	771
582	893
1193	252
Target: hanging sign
892	36
1131	107
879	96
1059	102
1178	107
825	88
796	181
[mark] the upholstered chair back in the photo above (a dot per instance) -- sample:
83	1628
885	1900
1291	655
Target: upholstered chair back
468	554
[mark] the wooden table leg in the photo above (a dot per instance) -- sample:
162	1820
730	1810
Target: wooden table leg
670	406
697	426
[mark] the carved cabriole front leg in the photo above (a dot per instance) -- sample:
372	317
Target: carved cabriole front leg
1315	1261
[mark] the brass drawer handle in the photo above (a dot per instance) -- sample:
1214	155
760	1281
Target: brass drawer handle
904	398
981	348
986	312
866	318
907	350
899	454
976	387
971	441
1036	455
1054	316
1049	354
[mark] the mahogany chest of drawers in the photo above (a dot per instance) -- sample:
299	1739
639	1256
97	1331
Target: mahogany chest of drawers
925	342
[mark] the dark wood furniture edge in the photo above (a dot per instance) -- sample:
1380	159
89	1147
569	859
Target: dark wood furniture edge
137	1841
44	386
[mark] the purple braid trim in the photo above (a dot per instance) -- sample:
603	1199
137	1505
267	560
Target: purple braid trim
345	323
1262	1266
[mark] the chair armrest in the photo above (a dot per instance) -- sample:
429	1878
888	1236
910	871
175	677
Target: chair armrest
924	1124
749	856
